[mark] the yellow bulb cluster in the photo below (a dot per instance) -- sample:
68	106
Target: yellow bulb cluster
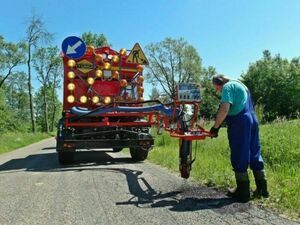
95	99
107	100
140	90
71	75
115	75
115	59
84	99
99	73
123	51
70	98
106	66
71	63
140	79
90	81
71	87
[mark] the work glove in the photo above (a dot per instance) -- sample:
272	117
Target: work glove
214	132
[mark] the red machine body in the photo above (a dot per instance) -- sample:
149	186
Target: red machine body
103	107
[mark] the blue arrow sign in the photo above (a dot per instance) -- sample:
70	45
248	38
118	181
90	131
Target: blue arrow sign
73	47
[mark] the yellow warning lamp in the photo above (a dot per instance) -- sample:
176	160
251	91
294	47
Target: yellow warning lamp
71	87
95	99
98	57
123	51
107	66
140	68
140	90
71	74
140	79
90	49
115	75
123	83
107	100
90	81
115	59
99	73
83	99
71	63
71	99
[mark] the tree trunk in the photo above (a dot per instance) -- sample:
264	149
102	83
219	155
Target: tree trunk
46	110
33	126
54	104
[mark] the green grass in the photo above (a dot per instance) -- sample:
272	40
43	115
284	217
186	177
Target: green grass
12	141
281	152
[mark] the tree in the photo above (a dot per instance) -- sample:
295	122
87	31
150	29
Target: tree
171	62
12	118
46	62
275	85
35	33
209	98
54	108
55	83
16	95
154	94
97	40
11	55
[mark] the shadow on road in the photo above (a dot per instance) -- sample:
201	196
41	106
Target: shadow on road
183	199
47	162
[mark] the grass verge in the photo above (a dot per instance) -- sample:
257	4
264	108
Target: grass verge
12	141
280	143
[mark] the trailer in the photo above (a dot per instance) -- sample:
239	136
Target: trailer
103	105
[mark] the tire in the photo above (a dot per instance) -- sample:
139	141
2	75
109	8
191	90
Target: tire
138	154
65	158
117	149
185	157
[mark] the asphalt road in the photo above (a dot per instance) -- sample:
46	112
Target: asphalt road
103	187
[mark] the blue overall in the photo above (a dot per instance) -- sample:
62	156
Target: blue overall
243	139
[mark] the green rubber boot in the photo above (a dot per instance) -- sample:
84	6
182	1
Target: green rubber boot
242	191
261	184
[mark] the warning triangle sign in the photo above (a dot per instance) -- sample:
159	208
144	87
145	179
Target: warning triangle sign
137	55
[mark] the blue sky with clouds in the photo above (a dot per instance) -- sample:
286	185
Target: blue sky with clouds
228	34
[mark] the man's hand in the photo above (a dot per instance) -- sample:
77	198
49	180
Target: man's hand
214	131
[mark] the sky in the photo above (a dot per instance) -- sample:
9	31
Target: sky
227	34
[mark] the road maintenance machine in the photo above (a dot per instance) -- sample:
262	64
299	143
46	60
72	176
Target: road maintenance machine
103	105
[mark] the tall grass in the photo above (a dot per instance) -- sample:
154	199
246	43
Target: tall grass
11	141
280	143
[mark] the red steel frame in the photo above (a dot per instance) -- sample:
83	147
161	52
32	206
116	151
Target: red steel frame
128	70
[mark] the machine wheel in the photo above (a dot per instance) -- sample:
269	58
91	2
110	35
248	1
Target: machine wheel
185	170
117	149
65	157
138	154
185	156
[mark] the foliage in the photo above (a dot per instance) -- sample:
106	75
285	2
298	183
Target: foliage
54	108
275	86
36	33
155	94
209	97
11	119
17	106
172	61
11	55
96	40
47	63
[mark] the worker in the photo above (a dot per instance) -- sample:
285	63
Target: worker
243	134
